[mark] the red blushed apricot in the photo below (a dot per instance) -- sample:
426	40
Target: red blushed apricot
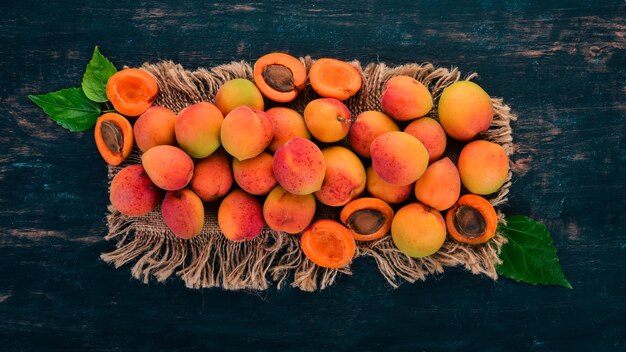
246	132
398	157
299	166
212	177
440	186
431	134
344	179
132	193
405	98
183	213
332	78
390	193
465	110
131	91
368	218
238	92
288	212
280	77
327	119
328	244
198	129
255	175
472	220
155	127
418	230
483	166
114	137
287	124
170	168
240	216
368	126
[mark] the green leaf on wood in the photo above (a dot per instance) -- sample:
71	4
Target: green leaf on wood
96	76
529	255
70	108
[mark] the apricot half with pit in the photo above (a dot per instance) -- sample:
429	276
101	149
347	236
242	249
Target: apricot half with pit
279	76
368	218
472	220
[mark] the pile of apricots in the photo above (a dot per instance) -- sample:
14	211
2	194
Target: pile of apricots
272	167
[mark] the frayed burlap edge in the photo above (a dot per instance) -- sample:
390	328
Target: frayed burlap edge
210	260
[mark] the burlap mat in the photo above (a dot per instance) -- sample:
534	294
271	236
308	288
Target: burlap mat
210	260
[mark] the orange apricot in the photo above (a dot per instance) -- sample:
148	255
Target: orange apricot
367	126
246	132
131	91
212	176
240	216
299	166
344	179
328	244
198	129
327	119
279	76
390	193
114	137
169	167
368	218
465	110
238	92
398	157
472	220
183	213
133	193
431	134
287	123
286	212
483	166
405	98
155	127
440	186
418	230
332	78
255	175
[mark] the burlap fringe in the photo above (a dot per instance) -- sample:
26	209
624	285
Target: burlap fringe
210	260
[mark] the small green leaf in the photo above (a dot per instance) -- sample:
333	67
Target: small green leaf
69	108
96	76
529	255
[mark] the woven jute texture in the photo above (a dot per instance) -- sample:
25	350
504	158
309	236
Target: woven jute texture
211	260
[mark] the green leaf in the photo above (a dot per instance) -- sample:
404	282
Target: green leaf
96	76
529	255
69	108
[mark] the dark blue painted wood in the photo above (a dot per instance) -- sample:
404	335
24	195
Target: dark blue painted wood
561	66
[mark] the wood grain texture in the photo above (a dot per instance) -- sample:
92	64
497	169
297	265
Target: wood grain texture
561	65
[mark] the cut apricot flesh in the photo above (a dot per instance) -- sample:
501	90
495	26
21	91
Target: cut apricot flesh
328	244
332	78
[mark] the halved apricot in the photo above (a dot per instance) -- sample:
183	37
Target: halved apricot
332	78
367	218
328	244
114	137
472	220
280	77
131	91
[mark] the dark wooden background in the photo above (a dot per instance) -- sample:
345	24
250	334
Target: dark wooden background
559	64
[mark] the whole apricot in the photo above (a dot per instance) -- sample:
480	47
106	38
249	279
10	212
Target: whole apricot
246	132
465	110
398	157
155	127
183	213
198	129
288	212
212	176
483	166
238	92
170	168
431	134
440	186
328	119
255	175
368	126
384	190
344	179
287	123
417	230
240	216
299	166
405	98
133	193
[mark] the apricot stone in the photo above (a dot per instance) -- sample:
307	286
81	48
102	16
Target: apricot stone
155	127
398	157
431	134
198	129
405	98
440	186
418	230
344	179
240	216
133	193
212	177
328	119
183	213
238	92
390	193
368	126
287	123
246	132
465	110
169	167
299	166
255	175
483	166
288	212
